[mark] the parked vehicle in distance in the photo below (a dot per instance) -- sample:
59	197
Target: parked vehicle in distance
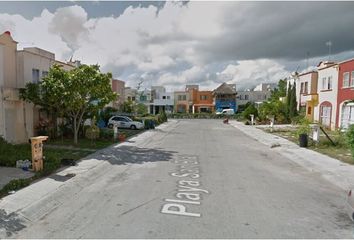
124	122
226	112
350	203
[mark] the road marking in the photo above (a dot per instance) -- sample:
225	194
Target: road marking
188	169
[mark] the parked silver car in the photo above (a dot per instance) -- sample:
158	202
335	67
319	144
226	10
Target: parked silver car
124	122
350	203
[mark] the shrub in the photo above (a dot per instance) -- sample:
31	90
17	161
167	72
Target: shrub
15	185
162	117
106	133
92	132
350	138
251	109
304	127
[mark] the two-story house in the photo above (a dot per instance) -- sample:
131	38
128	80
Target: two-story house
327	89
345	97
225	97
181	101
306	93
161	100
203	102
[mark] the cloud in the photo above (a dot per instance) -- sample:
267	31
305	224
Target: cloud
195	42
248	73
69	24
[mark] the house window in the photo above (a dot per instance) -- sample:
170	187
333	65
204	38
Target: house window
163	97
246	97
182	97
324	83
133	98
302	88
352	80
329	83
35	75
306	88
347	115
168	97
346	79
203	97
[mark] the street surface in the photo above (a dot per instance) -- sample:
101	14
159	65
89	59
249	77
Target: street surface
192	179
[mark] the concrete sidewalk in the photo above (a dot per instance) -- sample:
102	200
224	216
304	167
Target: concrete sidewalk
42	197
338	173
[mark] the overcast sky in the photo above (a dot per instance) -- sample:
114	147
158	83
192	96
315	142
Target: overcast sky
175	43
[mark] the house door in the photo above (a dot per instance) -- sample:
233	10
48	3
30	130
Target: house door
347	116
326	116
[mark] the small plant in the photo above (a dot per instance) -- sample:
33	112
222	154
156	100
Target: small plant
304	127
350	138
93	132
303	131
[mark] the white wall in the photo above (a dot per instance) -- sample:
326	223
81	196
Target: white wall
330	96
2	114
27	61
163	102
302	98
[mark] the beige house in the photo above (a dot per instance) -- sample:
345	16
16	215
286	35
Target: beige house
18	119
12	125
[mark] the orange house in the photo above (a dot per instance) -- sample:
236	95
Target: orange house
202	101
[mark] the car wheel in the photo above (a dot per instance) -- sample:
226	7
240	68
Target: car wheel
110	125
133	127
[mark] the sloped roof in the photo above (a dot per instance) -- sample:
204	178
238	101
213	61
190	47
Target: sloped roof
225	89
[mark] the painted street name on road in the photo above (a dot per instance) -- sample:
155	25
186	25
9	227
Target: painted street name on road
188	187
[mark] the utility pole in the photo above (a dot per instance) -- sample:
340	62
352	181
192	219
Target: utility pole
329	44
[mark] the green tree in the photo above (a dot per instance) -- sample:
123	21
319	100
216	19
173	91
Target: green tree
292	105
76	92
141	109
280	90
48	94
128	107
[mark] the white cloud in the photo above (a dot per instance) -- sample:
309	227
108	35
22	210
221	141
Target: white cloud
248	73
173	45
68	23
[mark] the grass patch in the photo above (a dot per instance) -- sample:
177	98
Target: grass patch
104	141
10	153
340	151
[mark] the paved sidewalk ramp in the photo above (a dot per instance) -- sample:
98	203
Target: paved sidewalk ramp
339	173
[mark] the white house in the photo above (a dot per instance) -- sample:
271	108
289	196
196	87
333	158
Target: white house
306	93
325	111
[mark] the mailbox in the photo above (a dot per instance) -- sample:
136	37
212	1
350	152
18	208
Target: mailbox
37	152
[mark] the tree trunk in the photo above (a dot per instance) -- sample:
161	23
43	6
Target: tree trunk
75	132
55	125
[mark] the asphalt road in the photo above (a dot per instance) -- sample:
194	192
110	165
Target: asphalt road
194	179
